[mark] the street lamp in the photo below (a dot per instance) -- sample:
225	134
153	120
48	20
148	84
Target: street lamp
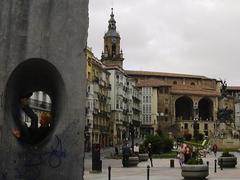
87	137
131	130
195	128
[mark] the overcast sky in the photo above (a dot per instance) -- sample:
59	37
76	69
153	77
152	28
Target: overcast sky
200	37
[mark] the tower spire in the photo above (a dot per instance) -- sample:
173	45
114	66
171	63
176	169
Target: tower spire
112	54
111	22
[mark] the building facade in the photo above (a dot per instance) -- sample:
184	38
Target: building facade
180	101
233	93
98	123
125	98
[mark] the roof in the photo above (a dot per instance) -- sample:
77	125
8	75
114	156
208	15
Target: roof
179	88
165	74
150	82
198	90
233	88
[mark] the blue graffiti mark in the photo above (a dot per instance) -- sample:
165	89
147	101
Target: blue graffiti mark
30	173
56	155
33	160
3	175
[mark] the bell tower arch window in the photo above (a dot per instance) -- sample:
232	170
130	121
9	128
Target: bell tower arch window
113	50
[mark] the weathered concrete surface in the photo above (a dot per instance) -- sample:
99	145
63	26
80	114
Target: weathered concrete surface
41	48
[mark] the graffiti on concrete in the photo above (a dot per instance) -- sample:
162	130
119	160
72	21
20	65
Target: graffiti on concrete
32	161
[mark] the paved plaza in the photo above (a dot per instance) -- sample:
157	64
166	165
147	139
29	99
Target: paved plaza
160	171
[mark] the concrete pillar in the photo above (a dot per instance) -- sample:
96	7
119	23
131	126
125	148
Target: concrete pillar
42	49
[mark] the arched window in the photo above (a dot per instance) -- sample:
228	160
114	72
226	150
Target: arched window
184	108
113	50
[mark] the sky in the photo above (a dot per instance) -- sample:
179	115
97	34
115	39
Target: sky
200	37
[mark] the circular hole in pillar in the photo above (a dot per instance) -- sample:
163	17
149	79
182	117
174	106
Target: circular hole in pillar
34	100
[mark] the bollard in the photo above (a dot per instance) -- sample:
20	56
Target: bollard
221	164
208	163
148	169
109	172
171	163
215	165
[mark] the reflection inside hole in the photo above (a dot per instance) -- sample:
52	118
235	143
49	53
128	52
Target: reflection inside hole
35	117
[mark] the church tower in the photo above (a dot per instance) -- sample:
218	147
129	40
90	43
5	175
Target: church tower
112	54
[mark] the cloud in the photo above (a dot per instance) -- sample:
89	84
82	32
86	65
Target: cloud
187	36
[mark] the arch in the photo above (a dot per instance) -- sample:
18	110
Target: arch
30	76
113	50
205	106
184	108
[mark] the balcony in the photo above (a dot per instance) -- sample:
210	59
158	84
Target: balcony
125	111
40	105
109	86
136	99
136	110
104	129
95	79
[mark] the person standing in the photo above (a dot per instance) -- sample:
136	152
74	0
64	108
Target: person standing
214	149
187	154
150	153
136	149
126	154
181	152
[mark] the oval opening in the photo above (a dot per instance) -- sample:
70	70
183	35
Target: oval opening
34	98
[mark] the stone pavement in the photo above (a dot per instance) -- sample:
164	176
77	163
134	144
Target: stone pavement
160	171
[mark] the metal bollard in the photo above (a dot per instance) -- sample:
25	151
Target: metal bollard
215	165
208	163
148	170
221	164
171	163
109	172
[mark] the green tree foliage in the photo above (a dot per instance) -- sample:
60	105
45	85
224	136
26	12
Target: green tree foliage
199	137
160	143
187	136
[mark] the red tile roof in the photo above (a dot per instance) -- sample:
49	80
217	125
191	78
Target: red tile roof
233	88
164	74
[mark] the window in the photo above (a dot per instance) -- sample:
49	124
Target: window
192	84
160	90
185	125
205	126
174	82
166	111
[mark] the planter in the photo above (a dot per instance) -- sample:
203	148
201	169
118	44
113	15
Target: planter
143	157
227	162
133	161
195	172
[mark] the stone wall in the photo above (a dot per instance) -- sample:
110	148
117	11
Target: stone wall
42	48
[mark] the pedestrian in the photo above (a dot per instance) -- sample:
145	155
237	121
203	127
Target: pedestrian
116	150
187	154
181	152
150	153
214	149
136	149
125	154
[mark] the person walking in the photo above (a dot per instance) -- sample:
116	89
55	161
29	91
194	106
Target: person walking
150	153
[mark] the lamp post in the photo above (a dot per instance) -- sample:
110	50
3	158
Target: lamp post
131	130
195	128
87	137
